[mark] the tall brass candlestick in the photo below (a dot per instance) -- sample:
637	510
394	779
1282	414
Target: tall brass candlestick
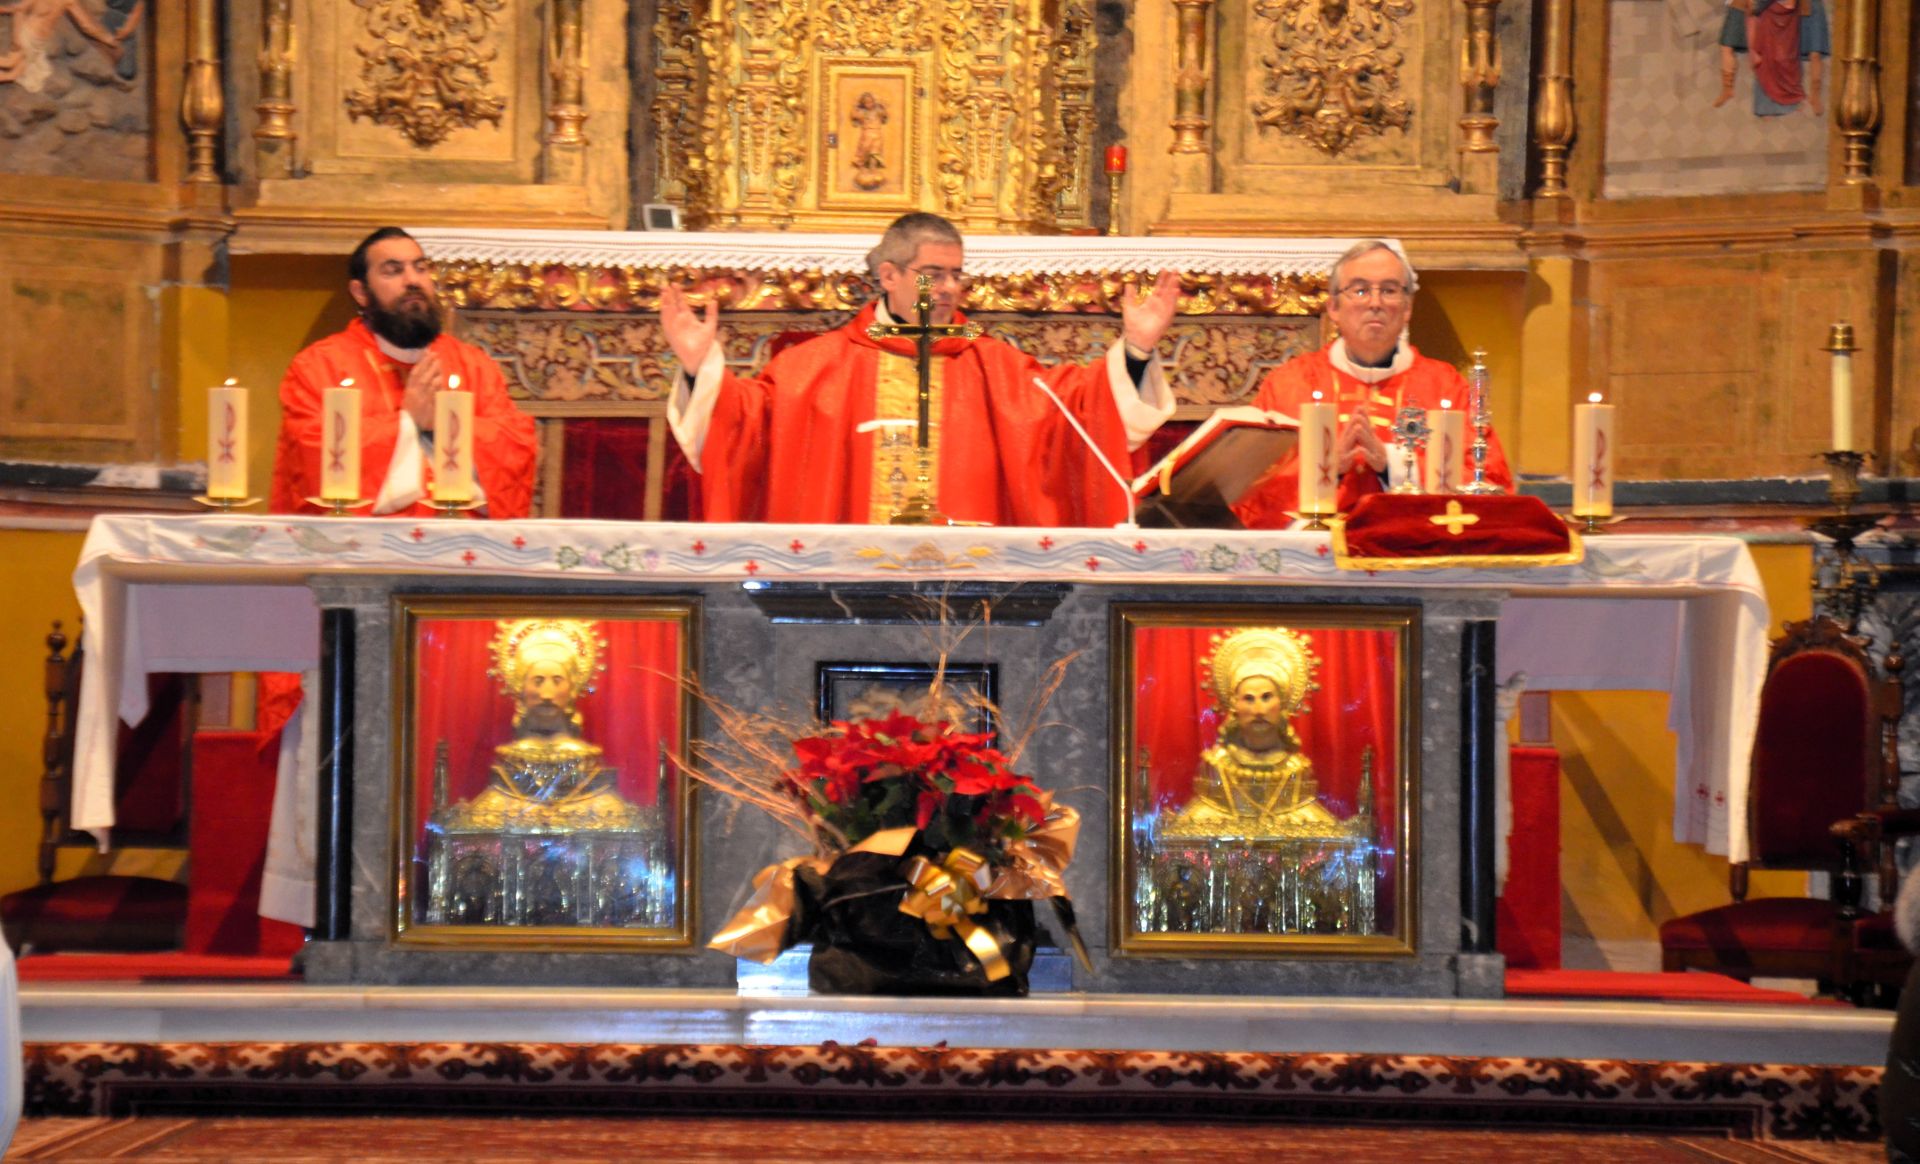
1480	415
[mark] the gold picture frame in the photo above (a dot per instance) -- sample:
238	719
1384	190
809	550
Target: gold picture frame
559	817
1273	819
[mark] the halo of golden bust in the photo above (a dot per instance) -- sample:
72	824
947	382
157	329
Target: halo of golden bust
575	642
1273	652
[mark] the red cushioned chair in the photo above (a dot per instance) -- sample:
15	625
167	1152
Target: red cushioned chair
1822	757
104	913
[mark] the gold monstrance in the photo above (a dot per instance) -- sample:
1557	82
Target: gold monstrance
919	509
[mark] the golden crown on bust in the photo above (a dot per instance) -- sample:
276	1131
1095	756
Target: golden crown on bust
573	643
1272	652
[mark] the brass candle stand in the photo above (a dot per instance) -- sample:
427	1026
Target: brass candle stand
228	504
339	506
1317	520
1480	416
1844	582
452	509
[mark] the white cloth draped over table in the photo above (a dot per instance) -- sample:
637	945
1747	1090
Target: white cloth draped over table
1683	614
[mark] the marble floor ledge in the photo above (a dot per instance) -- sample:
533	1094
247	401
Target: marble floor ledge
71	1012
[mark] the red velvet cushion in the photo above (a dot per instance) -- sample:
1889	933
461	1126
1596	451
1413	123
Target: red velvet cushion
97	913
1811	758
1764	923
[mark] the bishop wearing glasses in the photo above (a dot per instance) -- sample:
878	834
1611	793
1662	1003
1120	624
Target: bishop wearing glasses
827	431
1368	374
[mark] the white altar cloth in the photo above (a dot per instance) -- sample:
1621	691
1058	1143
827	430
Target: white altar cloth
1684	614
846	254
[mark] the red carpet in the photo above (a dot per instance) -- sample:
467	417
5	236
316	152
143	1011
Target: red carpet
1660	987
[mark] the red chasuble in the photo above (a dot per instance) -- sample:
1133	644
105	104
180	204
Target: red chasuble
782	446
1425	384
503	437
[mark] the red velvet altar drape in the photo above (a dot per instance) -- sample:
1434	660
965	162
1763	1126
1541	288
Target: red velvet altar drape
633	713
603	471
1175	719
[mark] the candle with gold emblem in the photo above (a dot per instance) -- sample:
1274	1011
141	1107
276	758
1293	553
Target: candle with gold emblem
1446	450
1593	458
453	443
227	441
340	443
1319	476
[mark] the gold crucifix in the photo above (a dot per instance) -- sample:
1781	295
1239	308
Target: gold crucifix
919	508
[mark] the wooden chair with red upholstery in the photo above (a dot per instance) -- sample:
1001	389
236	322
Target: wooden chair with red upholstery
101	912
1823	755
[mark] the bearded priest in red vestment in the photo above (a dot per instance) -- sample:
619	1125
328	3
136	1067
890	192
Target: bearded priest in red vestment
398	358
799	442
1368	374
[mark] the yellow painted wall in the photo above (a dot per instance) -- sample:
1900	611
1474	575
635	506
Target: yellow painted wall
36	575
279	304
1458	311
1623	872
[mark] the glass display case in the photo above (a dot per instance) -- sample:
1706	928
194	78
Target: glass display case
539	793
1265	779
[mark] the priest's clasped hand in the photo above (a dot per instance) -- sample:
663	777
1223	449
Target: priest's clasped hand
1360	447
690	335
428	376
1144	320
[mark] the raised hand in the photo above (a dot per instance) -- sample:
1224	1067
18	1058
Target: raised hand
690	336
1144	320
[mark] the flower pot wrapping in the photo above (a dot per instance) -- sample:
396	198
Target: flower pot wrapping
864	944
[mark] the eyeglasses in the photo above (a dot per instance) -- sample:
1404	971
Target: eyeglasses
940	276
1389	294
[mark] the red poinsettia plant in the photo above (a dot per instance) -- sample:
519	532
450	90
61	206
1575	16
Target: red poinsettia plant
861	777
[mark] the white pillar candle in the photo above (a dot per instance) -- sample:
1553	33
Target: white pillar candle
1446	450
227	441
340	443
1319	476
453	443
1593	458
1843	400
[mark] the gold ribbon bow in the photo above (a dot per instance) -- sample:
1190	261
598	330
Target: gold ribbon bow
944	896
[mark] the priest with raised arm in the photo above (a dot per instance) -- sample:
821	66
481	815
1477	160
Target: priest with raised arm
1368	374
800	442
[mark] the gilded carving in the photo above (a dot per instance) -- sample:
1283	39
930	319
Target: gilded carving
873	27
1480	76
1073	72
427	66
679	79
555	287
203	106
273	133
567	75
1334	70
571	358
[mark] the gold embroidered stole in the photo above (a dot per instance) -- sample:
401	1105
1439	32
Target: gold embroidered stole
896	396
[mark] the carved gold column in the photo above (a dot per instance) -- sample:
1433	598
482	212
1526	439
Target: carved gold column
1479	77
1191	77
1553	112
273	136
202	107
1857	111
566	75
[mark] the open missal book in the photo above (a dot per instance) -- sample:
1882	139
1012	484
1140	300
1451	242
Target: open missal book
1195	485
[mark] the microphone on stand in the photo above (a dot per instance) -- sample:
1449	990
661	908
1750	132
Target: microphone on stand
1126	487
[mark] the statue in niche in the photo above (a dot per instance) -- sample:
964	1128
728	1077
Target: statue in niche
1255	782
868	115
547	779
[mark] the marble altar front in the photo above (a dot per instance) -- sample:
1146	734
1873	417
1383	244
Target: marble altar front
220	593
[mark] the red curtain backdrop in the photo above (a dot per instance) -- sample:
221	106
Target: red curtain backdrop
633	712
1176	719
